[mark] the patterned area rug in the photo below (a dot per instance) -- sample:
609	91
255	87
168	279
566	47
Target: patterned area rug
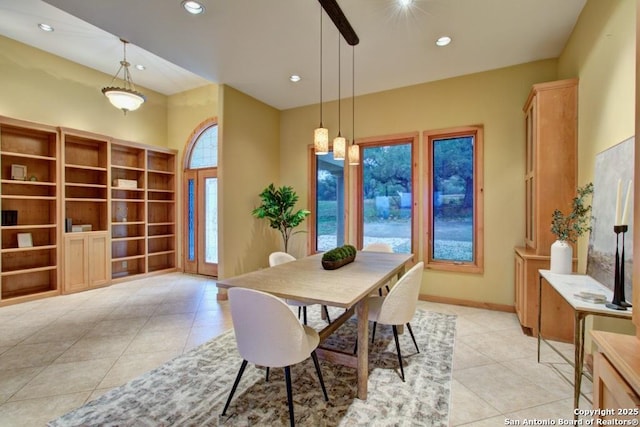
191	389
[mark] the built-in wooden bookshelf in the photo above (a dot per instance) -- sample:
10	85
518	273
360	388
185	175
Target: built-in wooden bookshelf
81	210
128	211
142	210
85	209
161	205
29	194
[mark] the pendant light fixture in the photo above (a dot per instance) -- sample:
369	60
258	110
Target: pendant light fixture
125	98
321	134
339	143
354	150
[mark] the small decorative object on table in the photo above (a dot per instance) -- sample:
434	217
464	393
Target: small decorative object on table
337	257
567	230
619	301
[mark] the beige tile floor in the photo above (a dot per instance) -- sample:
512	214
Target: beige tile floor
58	353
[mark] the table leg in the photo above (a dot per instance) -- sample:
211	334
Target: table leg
579	358
539	314
362	312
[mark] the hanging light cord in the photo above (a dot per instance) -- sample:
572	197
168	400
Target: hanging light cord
353	93
126	75
321	67
339	75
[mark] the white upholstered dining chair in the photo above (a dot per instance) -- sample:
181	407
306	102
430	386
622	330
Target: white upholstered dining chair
268	334
379	247
398	307
276	258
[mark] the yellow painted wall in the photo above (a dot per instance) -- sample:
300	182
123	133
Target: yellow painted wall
493	99
185	111
602	53
249	146
40	87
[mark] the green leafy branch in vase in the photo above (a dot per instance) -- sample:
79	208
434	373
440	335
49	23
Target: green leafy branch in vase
569	228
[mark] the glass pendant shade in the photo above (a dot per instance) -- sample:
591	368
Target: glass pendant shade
321	141
354	155
339	144
123	99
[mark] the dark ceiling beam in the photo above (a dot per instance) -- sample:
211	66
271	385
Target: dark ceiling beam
341	22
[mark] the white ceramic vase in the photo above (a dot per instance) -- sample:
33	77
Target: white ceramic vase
561	257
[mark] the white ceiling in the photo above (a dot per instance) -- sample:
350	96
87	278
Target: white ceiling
254	45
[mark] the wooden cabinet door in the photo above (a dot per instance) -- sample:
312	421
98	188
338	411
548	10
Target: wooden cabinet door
611	392
86	261
99	263
519	288
76	263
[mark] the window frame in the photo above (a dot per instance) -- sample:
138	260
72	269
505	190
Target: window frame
312	241
477	265
380	141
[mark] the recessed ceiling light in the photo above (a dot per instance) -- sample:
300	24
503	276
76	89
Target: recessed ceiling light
443	41
193	7
405	3
140	67
295	78
45	27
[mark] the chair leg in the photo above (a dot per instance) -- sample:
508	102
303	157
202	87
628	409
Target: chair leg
267	378
395	336
326	312
304	314
373	332
314	356
412	337
287	374
299	311
235	385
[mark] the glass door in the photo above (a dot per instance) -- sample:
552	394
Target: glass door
201	222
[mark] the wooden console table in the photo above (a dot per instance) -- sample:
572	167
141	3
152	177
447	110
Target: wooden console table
567	285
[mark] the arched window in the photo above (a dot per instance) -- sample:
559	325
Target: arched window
205	150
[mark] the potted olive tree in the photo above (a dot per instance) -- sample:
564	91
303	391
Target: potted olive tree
277	206
567	229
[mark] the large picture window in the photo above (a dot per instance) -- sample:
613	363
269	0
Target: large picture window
386	185
453	206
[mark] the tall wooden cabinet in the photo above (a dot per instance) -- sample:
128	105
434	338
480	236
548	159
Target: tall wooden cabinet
551	113
29	193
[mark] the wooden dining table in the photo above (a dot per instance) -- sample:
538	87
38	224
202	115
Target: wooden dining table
347	287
